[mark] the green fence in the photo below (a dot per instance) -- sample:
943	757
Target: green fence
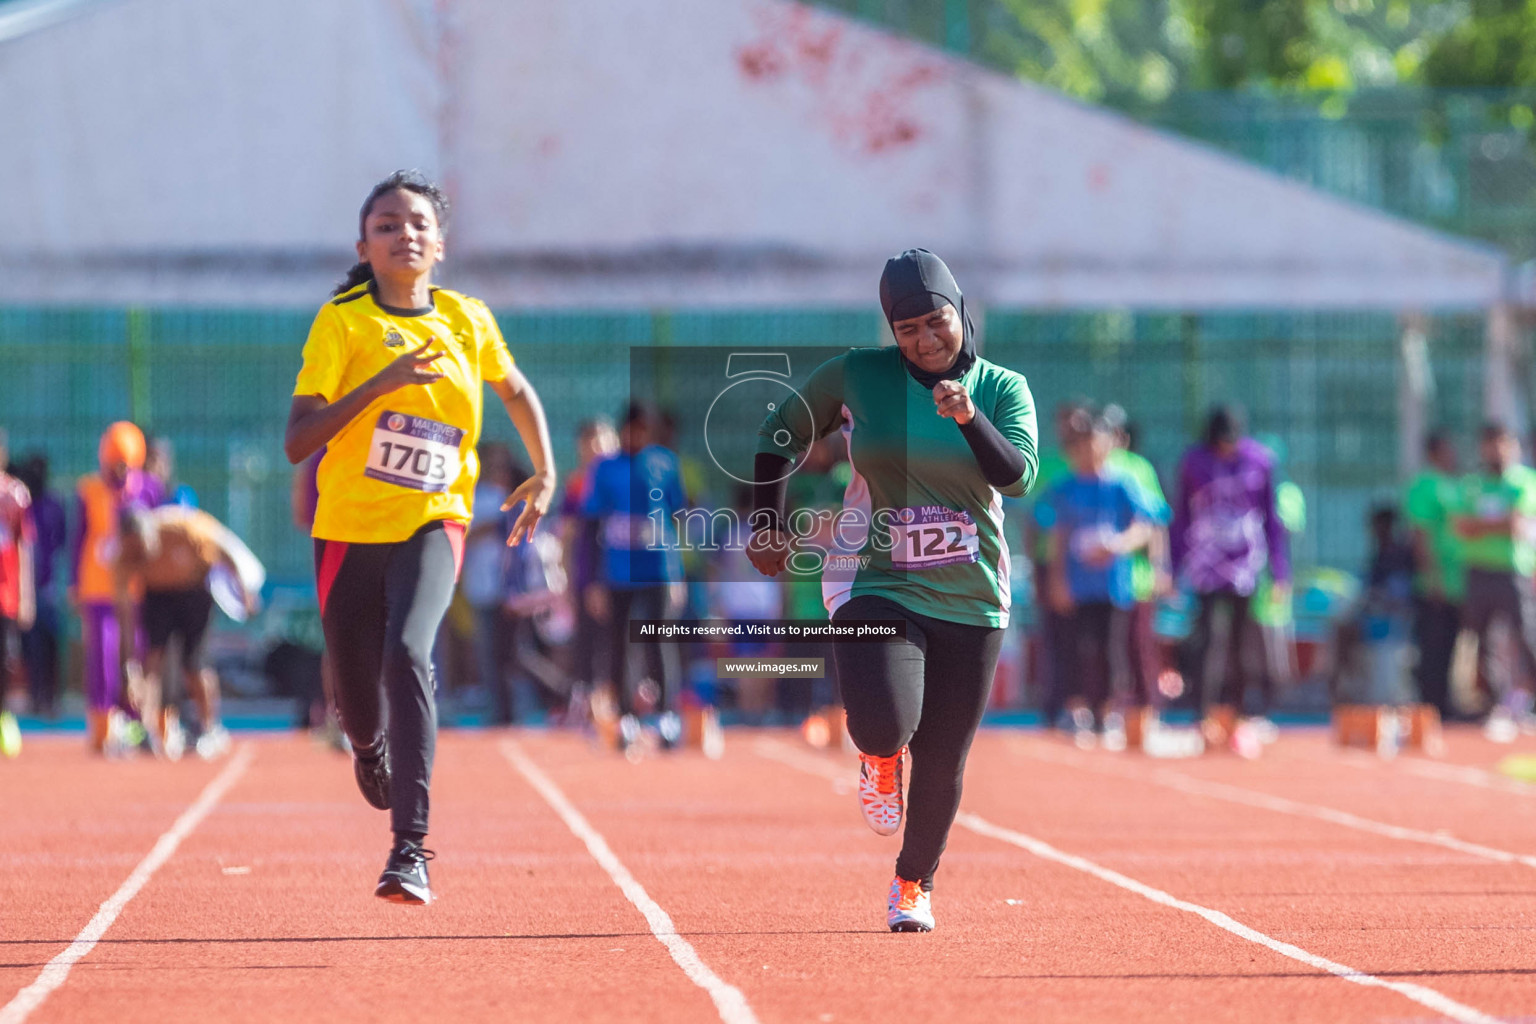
217	383
1446	159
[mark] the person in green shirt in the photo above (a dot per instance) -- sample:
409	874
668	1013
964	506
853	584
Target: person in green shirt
1439	584
1150	578
1494	518
936	437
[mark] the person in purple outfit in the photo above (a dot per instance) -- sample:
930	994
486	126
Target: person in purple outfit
1226	531
40	644
100	498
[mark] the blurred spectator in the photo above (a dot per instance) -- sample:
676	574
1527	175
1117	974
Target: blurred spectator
818	485
595	440
1494	519
1371	656
694	471
1099	519
697	477
738	592
634	497
537	605
1440	581
100	499
167	573
1389	575
1053	630
1226	531
40	644
1274	639
160	463
485	579
1149	565
17	597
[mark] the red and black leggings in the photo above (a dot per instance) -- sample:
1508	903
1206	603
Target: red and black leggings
381	605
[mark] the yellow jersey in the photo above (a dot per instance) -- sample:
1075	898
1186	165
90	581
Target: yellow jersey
409	458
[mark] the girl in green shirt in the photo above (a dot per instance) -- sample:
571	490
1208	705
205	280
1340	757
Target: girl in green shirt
936	437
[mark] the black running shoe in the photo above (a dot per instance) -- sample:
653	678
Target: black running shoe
405	875
372	773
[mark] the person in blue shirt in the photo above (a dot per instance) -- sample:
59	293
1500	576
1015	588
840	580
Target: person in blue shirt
1100	519
633	498
160	463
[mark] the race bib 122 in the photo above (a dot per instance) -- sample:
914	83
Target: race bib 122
929	536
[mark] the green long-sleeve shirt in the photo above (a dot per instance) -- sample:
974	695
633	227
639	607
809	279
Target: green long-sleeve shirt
922	521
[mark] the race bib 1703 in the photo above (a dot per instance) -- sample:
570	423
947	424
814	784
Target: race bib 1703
929	536
415	452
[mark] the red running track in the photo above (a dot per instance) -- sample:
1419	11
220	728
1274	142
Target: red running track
1084	886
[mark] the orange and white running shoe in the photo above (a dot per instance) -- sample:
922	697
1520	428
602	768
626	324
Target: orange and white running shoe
908	908
880	791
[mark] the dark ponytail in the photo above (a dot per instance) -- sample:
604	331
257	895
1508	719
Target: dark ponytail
409	181
359	273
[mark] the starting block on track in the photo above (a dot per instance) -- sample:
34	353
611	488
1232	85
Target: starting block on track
828	728
1146	732
1387	729
702	731
1224	729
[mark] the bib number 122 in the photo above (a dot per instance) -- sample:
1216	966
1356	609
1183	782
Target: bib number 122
928	541
932	536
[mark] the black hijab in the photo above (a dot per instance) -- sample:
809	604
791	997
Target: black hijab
914	284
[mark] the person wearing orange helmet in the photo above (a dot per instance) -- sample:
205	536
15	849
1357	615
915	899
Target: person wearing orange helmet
100	498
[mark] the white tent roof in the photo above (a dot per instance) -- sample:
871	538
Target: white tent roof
603	152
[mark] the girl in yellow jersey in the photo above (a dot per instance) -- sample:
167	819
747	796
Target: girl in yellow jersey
391	387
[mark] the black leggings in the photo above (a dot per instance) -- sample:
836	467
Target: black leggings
1097	654
381	605
661	660
1217	642
927	693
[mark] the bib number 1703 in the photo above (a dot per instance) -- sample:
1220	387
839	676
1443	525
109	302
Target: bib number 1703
421	462
414	452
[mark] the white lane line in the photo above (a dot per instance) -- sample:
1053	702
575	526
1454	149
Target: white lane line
1420	994
729	1001
57	970
1441	772
1252	798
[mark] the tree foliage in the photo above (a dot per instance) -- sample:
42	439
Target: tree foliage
1128	52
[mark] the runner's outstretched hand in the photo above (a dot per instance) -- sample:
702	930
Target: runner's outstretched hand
536	493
